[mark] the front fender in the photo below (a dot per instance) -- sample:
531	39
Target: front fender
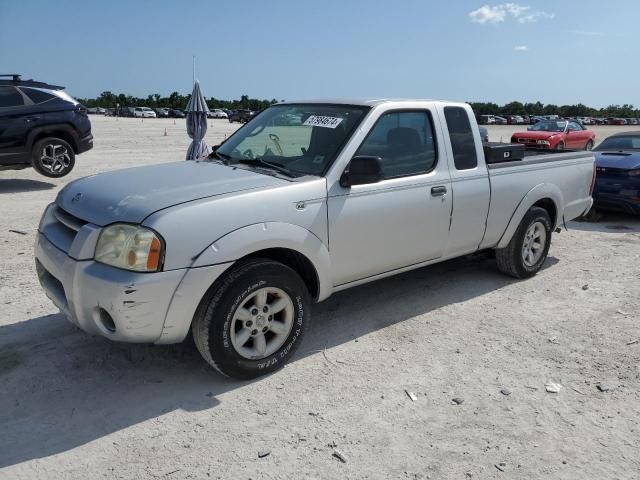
261	236
539	192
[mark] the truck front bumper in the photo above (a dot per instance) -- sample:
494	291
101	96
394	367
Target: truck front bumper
118	304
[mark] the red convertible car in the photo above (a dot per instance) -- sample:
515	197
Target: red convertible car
556	134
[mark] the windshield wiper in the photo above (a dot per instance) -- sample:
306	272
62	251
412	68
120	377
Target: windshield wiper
264	163
224	158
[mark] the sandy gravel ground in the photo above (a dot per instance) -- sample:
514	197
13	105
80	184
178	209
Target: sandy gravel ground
76	407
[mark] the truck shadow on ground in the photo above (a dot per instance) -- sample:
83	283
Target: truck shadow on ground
16	185
608	222
62	388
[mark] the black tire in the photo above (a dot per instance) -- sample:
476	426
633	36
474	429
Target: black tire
593	215
52	157
589	146
560	146
213	320
510	259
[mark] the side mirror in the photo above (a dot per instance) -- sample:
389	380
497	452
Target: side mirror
362	170
569	130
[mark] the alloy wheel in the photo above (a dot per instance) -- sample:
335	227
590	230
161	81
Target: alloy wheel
262	323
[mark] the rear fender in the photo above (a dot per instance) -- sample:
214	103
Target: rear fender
262	236
60	130
539	192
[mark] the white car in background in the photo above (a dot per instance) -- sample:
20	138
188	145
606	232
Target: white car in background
217	113
143	112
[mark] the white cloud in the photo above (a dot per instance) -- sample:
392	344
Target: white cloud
515	9
587	33
521	48
487	14
535	16
500	13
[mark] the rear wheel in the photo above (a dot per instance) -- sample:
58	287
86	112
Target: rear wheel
525	254
250	323
52	157
589	145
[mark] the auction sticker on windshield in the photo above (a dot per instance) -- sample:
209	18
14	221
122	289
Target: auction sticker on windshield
322	121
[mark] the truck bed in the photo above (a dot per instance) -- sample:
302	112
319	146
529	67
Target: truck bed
564	176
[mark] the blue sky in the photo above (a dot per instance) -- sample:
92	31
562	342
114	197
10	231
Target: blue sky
557	52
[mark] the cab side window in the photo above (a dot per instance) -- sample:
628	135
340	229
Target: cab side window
405	142
462	143
575	126
10	97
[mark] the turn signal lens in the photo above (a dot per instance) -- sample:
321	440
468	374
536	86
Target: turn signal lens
153	259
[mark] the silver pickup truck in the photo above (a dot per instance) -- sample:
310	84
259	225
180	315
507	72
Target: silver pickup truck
304	200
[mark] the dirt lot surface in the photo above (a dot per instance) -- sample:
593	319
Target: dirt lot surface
371	391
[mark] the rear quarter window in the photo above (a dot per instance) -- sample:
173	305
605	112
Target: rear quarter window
462	142
37	96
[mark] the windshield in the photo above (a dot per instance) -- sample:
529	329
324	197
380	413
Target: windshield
304	139
623	142
548	126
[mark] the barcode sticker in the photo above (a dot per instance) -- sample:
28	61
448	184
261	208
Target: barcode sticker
321	121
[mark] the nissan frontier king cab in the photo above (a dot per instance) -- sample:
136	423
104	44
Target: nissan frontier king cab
304	200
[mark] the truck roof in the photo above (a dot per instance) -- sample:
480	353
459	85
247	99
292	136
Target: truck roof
368	102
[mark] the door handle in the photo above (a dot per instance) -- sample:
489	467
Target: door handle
438	191
31	119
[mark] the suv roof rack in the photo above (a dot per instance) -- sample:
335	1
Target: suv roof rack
17	81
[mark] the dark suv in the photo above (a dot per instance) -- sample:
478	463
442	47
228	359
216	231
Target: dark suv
40	126
242	116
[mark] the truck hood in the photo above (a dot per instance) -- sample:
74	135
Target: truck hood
621	160
535	135
133	194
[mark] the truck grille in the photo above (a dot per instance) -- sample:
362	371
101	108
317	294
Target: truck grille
62	232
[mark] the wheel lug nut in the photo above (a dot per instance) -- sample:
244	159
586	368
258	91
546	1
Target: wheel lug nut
254	332
249	323
264	329
270	317
254	311
265	309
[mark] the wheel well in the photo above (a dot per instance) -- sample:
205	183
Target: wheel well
58	133
550	207
296	261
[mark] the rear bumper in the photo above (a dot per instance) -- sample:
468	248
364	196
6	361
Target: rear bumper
617	193
85	143
617	203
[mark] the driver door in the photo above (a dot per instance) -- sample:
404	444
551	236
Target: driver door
401	220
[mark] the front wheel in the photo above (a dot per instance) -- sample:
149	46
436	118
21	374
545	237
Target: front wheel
560	146
525	254
250	323
589	146
53	157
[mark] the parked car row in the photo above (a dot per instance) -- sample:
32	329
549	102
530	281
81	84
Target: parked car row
533	119
146	112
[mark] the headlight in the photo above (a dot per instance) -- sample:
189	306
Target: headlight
543	142
129	247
